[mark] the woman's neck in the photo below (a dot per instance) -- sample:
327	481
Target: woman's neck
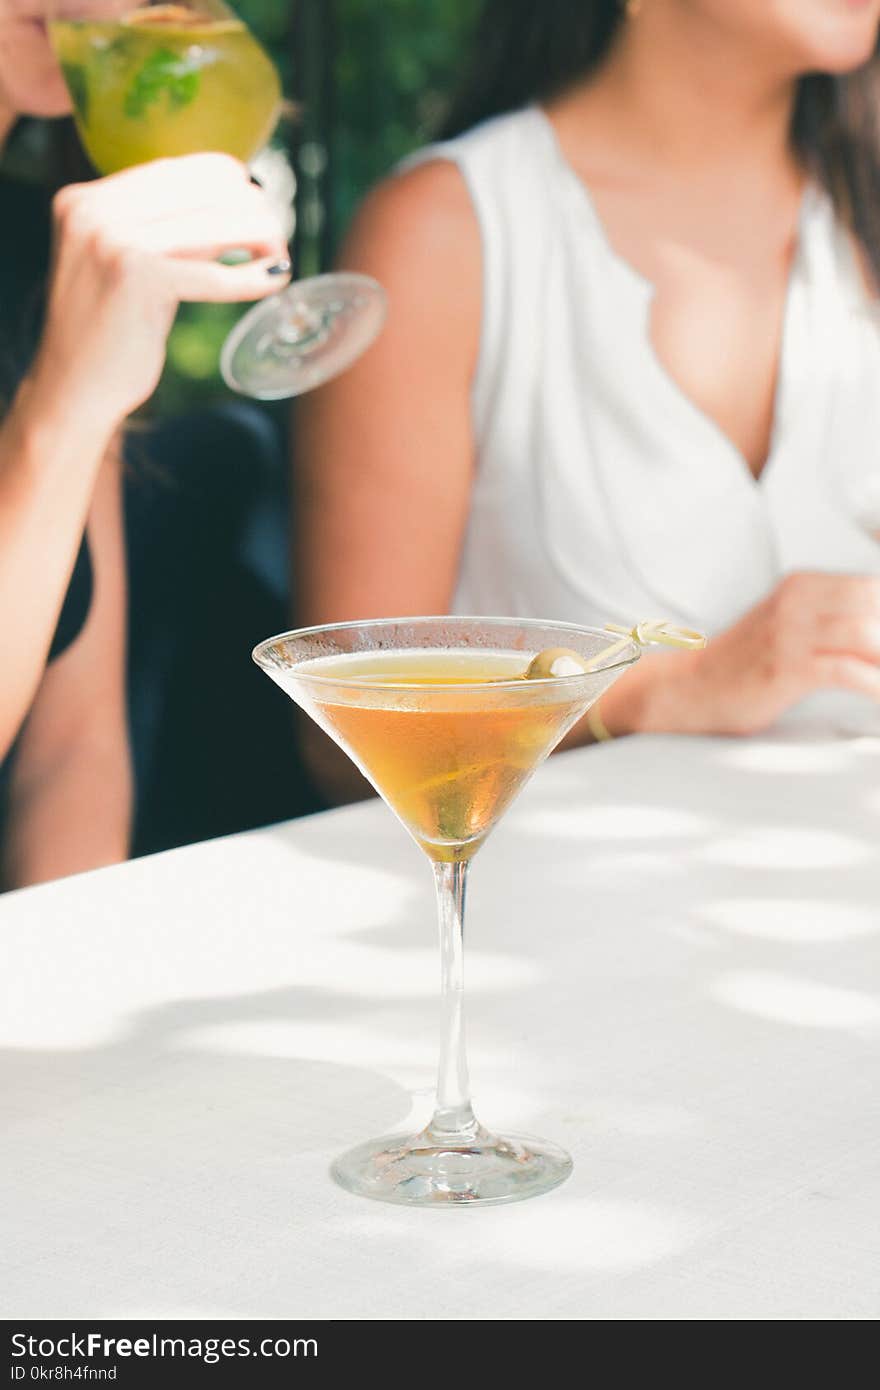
677	91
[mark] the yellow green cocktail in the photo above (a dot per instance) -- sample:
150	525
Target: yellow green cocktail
165	80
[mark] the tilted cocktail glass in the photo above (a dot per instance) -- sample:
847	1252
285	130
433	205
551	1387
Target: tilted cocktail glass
439	715
150	80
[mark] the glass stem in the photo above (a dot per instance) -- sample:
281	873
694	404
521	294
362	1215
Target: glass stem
453	1117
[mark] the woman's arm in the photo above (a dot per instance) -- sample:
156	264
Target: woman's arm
384	454
126	250
50	452
70	796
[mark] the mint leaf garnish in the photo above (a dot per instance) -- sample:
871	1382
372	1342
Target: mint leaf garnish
164	72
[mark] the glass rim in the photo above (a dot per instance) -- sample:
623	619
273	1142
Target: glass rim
513	683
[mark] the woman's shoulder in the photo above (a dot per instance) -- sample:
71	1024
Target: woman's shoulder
420	219
432	187
417	235
436	198
441	231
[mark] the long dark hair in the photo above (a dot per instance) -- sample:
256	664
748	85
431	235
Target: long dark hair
530	50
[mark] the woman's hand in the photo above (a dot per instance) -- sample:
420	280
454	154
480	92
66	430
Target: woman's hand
127	250
813	632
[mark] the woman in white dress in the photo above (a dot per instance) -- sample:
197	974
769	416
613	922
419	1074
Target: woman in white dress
630	368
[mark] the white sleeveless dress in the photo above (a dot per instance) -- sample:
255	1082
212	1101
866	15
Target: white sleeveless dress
602	492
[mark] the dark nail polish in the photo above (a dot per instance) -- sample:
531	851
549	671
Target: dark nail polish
279	268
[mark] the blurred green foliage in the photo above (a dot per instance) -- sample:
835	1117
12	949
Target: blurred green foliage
395	65
392	66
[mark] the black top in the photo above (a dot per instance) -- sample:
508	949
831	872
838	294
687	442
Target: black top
77	603
25	227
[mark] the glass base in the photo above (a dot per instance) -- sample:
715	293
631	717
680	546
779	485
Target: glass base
424	1171
303	336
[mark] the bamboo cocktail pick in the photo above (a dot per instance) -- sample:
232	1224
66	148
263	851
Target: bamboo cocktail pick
656	632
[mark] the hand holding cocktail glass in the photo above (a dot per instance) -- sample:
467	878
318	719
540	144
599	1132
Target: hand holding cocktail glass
150	81
127	249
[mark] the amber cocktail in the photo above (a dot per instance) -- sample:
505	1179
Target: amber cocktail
448	718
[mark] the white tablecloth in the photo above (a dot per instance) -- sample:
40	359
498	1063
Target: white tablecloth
672	970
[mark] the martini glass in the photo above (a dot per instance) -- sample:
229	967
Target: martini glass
441	717
151	80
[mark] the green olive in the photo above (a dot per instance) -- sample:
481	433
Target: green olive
555	661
